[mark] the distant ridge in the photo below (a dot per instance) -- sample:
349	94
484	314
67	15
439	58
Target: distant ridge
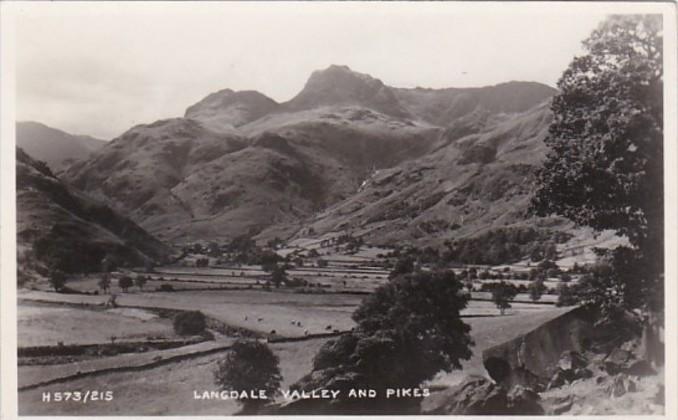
55	147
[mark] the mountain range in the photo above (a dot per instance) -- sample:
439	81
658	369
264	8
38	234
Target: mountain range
348	153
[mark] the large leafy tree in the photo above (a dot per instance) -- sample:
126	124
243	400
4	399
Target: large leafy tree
605	167
407	331
249	366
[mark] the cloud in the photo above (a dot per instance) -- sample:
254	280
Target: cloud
99	69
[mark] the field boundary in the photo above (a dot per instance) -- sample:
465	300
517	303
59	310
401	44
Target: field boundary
129	368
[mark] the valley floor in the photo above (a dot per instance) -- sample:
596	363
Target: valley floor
152	381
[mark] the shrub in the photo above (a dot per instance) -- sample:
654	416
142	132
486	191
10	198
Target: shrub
125	282
57	279
250	365
566	297
165	288
189	323
140	281
537	289
105	282
404	265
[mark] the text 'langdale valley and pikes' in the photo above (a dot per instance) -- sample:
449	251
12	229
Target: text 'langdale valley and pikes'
318	394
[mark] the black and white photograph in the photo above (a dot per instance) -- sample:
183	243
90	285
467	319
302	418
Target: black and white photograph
338	208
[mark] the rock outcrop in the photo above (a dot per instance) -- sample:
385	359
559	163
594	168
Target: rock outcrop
477	396
555	348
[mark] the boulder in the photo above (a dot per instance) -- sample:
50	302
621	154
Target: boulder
619	357
583	373
552	354
475	395
571	367
620	385
532	359
640	368
560	377
572	360
524	401
560	405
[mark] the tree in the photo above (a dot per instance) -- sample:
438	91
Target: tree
250	365
140	281
57	279
189	323
502	295
105	282
604	168
407	331
278	275
537	289
565	296
125	282
404	265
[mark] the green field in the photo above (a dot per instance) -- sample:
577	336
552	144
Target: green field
43	325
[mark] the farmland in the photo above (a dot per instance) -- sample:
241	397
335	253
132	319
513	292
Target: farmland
237	299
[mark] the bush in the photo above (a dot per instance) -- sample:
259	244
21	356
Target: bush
190	323
125	282
140	281
165	288
57	279
403	265
537	289
250	365
566	297
105	282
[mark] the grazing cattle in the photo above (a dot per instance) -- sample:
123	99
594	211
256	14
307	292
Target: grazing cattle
329	327
245	317
272	332
298	323
336	331
305	332
260	319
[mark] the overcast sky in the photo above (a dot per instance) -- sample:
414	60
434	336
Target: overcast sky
100	69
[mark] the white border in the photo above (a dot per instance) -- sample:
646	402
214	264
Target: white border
9	11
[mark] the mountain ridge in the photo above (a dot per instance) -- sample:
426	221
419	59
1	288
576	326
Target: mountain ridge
268	168
55	147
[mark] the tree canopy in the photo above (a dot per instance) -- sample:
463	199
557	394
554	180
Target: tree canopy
407	331
604	168
250	365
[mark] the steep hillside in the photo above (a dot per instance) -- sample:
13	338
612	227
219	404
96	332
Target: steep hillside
55	147
182	181
469	185
137	172
61	228
446	106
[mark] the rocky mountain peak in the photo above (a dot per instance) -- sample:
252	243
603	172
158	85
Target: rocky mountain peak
339	85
